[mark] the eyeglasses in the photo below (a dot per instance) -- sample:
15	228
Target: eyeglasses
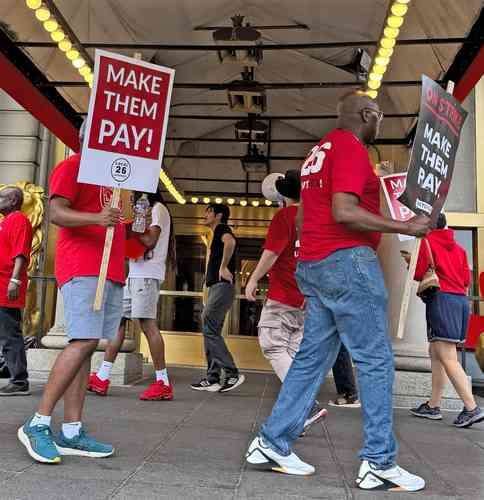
379	114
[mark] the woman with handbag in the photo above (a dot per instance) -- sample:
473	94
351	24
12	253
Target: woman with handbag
444	276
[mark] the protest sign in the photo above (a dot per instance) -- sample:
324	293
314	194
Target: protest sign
434	149
127	123
393	186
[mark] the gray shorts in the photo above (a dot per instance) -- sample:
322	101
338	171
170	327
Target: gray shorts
140	300
82	322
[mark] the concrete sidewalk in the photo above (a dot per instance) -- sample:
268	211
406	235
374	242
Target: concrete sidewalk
193	447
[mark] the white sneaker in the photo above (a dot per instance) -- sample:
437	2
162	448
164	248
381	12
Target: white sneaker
260	454
394	479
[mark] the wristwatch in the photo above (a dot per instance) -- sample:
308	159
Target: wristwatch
16	281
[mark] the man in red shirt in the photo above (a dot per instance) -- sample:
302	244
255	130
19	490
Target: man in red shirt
339	274
82	212
15	247
281	321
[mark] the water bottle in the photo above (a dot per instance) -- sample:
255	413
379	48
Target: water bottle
140	212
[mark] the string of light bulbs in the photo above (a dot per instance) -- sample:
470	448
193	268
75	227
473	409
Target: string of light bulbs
388	40
243	202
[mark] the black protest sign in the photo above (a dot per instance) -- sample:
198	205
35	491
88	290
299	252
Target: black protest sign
434	149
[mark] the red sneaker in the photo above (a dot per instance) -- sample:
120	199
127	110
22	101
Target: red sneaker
157	391
97	385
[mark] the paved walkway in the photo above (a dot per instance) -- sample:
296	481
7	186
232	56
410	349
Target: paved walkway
192	448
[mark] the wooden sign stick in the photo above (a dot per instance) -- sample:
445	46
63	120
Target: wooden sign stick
108	243
411	268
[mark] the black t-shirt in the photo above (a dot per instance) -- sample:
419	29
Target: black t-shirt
216	254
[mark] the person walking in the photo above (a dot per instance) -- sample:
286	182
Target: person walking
15	248
447	313
220	284
140	302
344	380
82	212
339	274
281	322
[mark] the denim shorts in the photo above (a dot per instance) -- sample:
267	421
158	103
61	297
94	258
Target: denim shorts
82	322
447	317
140	299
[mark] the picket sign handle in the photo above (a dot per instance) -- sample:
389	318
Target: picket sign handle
412	266
108	243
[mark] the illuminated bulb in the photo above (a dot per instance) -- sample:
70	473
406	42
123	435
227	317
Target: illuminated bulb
387	43
405	2
395	22
243	203
377	68
372	93
33	4
206	200
230	201
383	52
72	54
89	79
374	84
85	70
268	203
58	35
183	201
218	200
255	203
375	76
383	61
194	199
78	63
399	9
65	45
42	14
50	25
391	32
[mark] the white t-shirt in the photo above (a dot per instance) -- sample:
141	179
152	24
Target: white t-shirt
156	266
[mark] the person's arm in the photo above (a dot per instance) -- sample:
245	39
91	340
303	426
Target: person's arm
423	262
346	210
299	219
61	214
267	260
150	237
229	247
14	284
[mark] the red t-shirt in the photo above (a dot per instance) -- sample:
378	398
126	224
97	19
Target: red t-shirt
15	240
338	164
79	249
281	239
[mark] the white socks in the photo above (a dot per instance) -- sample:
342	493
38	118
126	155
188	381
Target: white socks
104	371
71	429
162	375
38	419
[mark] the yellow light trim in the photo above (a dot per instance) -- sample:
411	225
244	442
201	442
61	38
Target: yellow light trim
78	63
65	45
378	69
42	14
388	43
85	70
89	79
395	22
169	186
405	2
382	61
383	52
72	54
372	93
194	199
50	25
230	201
243	203
391	32
374	84
33	4
58	35
255	203
399	9
375	76
268	203
218	200
206	200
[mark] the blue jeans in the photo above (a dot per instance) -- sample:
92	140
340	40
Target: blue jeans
346	301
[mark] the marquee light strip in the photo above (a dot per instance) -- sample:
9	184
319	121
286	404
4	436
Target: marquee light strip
168	183
383	55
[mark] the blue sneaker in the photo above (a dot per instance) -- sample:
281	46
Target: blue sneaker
82	446
426	411
39	442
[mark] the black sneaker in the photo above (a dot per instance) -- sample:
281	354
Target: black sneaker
205	385
425	411
232	382
15	390
467	418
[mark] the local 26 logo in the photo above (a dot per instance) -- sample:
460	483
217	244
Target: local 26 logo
120	170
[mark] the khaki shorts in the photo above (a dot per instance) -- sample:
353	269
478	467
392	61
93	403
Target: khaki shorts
140	300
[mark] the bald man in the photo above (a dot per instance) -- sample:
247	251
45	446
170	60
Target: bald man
346	302
15	247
